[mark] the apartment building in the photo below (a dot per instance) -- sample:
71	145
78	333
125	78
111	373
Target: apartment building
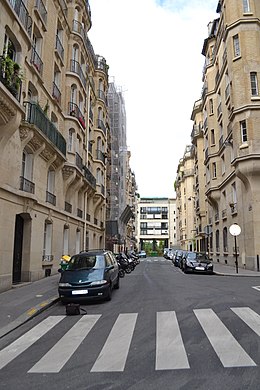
226	120
156	222
121	184
186	201
53	137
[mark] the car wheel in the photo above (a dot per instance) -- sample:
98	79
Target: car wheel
121	273
116	286
109	293
128	269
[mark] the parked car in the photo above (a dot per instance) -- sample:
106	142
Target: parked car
89	275
168	253
178	255
197	262
142	254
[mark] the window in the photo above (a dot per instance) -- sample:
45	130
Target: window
225	240
217	240
254	84
51	181
211	107
212	135
214	170
234	193
246	6
70	140
236	45
243	130
223	167
47	241
66	240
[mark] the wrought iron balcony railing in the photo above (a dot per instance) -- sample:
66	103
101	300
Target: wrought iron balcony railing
36	116
59	47
50	198
74	110
26	185
100	125
36	61
56	93
41	10
90	177
75	67
23	14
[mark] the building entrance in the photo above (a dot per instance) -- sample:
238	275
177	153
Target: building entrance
18	249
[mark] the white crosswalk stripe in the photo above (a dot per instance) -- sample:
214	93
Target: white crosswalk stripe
170	353
20	345
114	353
229	351
56	358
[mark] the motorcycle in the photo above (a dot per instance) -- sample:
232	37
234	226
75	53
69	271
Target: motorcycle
124	264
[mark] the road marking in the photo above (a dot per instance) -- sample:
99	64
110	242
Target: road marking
114	352
251	318
57	357
20	345
229	351
256	288
170	351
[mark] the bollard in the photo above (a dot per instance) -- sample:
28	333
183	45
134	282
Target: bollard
257	262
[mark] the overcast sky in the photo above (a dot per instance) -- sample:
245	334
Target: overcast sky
153	49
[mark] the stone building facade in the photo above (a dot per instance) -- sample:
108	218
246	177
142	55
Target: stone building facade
226	120
53	137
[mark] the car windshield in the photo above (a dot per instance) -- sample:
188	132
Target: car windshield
192	255
83	261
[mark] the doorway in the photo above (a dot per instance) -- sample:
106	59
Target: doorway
18	248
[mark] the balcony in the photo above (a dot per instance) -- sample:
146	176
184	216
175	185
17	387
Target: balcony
233	207
89	177
56	93
224	214
36	116
76	68
75	111
101	95
217	217
78	161
59	48
100	125
79	213
68	207
26	185
23	15
91	114
36	61
41	10
50	198
10	76
100	156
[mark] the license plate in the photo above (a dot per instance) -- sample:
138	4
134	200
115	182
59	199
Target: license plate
79	292
200	268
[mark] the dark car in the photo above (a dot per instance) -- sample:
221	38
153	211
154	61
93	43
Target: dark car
89	275
197	262
178	256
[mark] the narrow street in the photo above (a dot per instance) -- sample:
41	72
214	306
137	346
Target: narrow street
162	329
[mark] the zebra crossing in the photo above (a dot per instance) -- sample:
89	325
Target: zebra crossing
170	351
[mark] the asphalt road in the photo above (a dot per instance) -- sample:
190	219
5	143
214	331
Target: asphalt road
162	330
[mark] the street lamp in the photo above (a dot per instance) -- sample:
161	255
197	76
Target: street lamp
235	230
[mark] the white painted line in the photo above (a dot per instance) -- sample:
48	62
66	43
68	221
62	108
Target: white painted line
256	288
229	351
170	351
251	318
114	352
57	357
24	342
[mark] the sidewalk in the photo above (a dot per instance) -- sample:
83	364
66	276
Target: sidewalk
26	300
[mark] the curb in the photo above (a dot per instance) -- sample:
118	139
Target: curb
28	315
237	275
